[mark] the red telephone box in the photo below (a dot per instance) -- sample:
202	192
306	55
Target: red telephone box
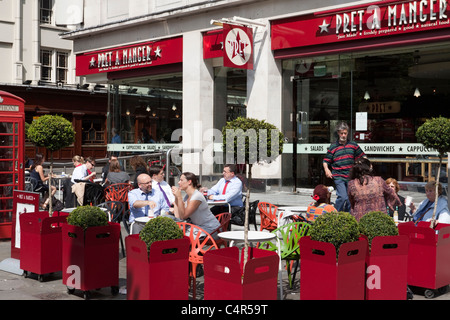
12	138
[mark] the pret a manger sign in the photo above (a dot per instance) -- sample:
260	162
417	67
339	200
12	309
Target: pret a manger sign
387	18
140	55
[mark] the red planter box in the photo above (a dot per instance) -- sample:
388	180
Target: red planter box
40	242
157	275
428	255
387	265
224	279
322	278
90	259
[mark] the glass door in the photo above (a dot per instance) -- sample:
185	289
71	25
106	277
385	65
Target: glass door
315	106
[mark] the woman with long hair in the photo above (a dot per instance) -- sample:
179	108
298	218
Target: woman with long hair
368	192
115	174
139	166
194	205
37	172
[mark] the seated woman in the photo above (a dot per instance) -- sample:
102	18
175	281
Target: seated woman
401	210
115	174
37	172
81	171
194	205
322	196
139	166
426	208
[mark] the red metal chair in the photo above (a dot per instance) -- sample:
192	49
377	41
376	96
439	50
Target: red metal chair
201	242
268	214
224	219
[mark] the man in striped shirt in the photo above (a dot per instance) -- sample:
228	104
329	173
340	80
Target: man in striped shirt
341	156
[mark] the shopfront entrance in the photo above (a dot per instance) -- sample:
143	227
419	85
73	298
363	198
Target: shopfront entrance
384	84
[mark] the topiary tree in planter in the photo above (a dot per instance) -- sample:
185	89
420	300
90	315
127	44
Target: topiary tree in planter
87	216
377	224
335	228
160	229
54	133
435	134
251	141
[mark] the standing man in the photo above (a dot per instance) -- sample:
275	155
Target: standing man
341	156
159	185
143	201
229	188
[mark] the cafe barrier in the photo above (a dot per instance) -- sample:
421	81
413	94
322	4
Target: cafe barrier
428	254
162	273
386	272
324	278
90	258
224	279
40	241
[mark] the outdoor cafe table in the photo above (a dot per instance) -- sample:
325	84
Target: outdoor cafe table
253	236
219	203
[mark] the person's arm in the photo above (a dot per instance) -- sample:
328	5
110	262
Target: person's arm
183	212
215	189
40	170
234	190
328	173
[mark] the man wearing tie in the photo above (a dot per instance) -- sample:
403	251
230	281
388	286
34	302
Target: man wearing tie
229	188
159	185
144	201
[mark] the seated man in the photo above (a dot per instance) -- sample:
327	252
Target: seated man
159	185
229	188
144	202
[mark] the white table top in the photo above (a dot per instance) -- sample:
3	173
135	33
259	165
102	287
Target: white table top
143	219
294	208
252	235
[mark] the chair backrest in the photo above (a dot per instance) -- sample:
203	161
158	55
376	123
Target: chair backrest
30	184
224	220
115	210
252	207
268	213
289	236
201	241
93	194
118	192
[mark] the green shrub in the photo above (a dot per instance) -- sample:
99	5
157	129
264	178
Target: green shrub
88	216
376	224
336	228
160	229
52	132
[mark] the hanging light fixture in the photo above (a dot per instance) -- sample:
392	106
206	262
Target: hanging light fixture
128	112
367	95
174	107
148	109
417	93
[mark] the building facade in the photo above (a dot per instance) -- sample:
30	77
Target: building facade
39	67
381	66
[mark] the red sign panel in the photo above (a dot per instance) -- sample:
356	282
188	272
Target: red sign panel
213	44
148	54
238	47
388	18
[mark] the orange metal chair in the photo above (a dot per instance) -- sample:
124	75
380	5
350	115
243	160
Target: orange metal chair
201	242
268	214
224	219
118	192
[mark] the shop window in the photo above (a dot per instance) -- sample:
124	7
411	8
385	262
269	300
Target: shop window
46	11
93	131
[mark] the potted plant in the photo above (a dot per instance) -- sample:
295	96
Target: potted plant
54	133
41	245
387	257
333	259
435	134
90	257
249	141
158	262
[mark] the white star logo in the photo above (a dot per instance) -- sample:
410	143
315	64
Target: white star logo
92	62
158	52
324	26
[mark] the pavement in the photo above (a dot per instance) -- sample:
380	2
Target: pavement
15	286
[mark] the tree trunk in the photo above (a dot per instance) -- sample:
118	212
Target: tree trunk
432	224
50	199
247	201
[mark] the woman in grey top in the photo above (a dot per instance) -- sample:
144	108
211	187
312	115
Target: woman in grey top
115	174
194	205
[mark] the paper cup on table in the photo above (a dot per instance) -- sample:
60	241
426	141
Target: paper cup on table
151	214
408	201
